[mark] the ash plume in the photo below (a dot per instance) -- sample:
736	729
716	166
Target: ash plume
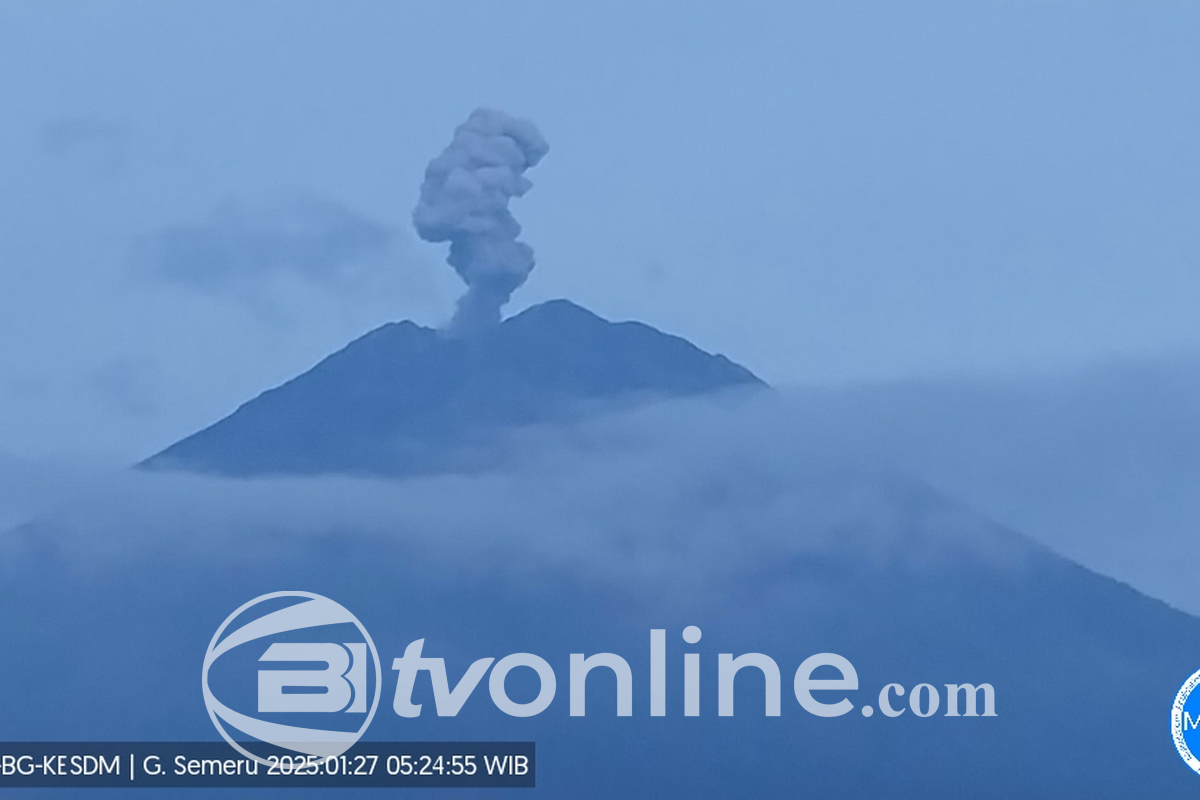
464	201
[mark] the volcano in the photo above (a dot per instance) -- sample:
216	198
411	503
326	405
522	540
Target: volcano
406	399
769	547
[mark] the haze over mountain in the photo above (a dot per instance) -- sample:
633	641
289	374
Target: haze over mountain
737	517
405	399
767	548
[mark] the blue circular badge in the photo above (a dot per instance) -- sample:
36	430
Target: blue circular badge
1185	722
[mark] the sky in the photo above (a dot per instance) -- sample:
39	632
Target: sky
202	199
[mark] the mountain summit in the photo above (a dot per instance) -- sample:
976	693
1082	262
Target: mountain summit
406	399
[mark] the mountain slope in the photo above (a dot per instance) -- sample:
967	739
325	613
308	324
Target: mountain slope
408	399
763	536
907	586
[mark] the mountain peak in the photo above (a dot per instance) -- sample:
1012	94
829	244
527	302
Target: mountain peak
560	310
408	399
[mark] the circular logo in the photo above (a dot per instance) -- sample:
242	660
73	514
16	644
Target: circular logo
311	711
1185	721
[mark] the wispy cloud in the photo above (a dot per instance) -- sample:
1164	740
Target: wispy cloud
238	248
127	384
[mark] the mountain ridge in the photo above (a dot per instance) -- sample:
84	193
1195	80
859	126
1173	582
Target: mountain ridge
407	399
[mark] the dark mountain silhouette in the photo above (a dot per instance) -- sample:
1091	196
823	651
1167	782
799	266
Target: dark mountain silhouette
405	399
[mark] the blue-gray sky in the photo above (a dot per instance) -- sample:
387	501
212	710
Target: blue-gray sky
824	192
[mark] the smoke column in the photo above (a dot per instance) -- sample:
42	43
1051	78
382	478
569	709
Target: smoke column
464	201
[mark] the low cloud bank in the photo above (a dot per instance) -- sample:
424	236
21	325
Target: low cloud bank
683	495
1103	467
784	524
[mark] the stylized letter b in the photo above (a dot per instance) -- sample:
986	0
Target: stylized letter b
338	690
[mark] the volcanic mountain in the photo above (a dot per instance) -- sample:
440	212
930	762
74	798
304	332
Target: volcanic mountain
405	399
771	547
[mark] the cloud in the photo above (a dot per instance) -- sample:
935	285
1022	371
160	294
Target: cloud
237	249
681	497
1101	467
126	384
778	524
100	147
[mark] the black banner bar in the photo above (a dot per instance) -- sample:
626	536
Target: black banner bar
159	765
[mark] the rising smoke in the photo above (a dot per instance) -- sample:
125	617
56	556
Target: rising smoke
464	201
